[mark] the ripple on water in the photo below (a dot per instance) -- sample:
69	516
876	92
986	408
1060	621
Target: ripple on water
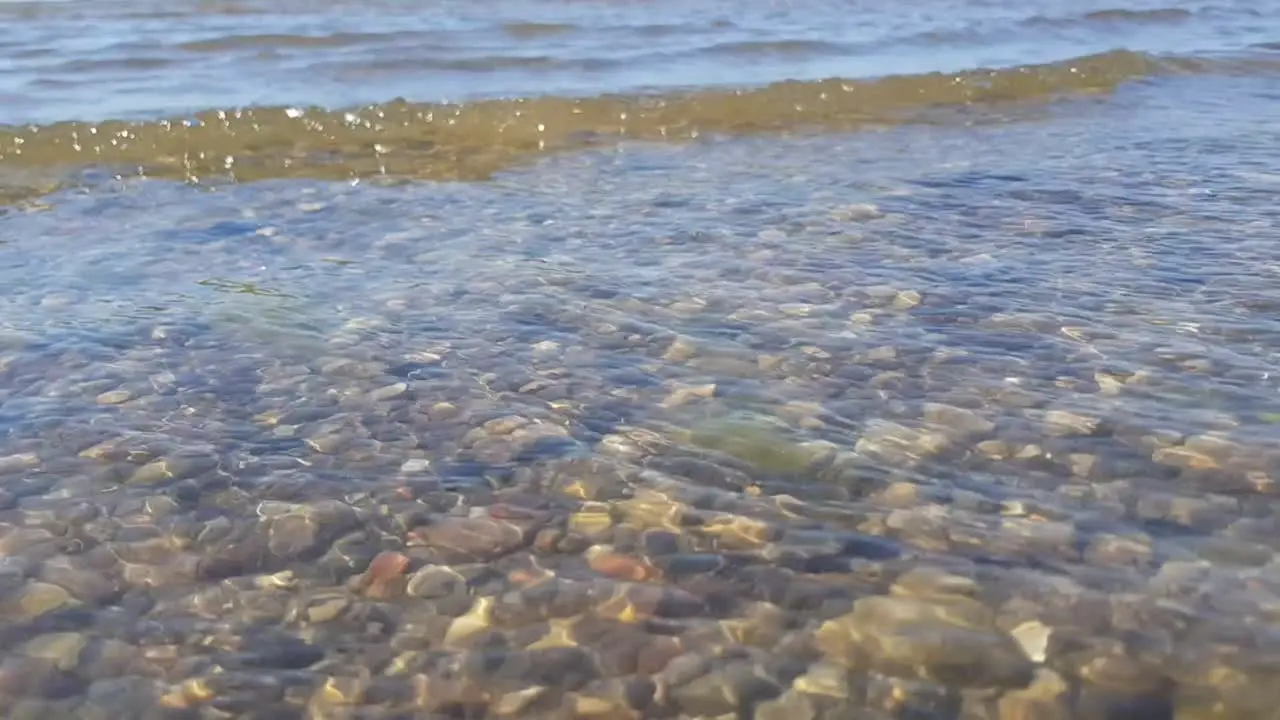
936	421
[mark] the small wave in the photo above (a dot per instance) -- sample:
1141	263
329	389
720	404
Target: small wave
1115	16
753	48
1160	15
479	64
525	30
470	141
276	41
115	64
658	30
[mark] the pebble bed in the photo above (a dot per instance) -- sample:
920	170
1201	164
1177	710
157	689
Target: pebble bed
785	429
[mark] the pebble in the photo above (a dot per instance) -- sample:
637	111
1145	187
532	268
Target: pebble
617	566
325	608
729	688
40	598
895	443
926	582
475	621
1119	550
415	465
1063	423
958	421
114	397
681	350
18	462
1033	636
384	571
60	648
389	392
469	539
953	641
1183	457
906	299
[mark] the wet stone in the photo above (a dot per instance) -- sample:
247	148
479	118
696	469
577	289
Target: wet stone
473	539
109	658
1183	457
1230	551
588	479
675	567
111	698
815	551
36	599
924	582
62	649
615	697
350	553
274	650
906	299
322	608
1037	538
929	527
475	622
737	532
732	687
1063	423
389	392
85	582
330	443
702	472
177	467
894	443
1201	513
114	397
957	421
566	668
949	640
1033	637
619	566
18	462
1119	550
292	535
384	576
22	675
436	581
761	625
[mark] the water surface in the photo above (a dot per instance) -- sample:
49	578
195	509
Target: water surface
573	359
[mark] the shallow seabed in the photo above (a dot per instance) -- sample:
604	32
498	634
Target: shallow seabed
925	422
925	398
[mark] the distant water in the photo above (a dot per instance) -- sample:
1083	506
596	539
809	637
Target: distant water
137	59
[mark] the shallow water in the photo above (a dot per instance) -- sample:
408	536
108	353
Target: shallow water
569	385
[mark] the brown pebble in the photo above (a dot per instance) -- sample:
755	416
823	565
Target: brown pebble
620	567
522	577
547	540
383	570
